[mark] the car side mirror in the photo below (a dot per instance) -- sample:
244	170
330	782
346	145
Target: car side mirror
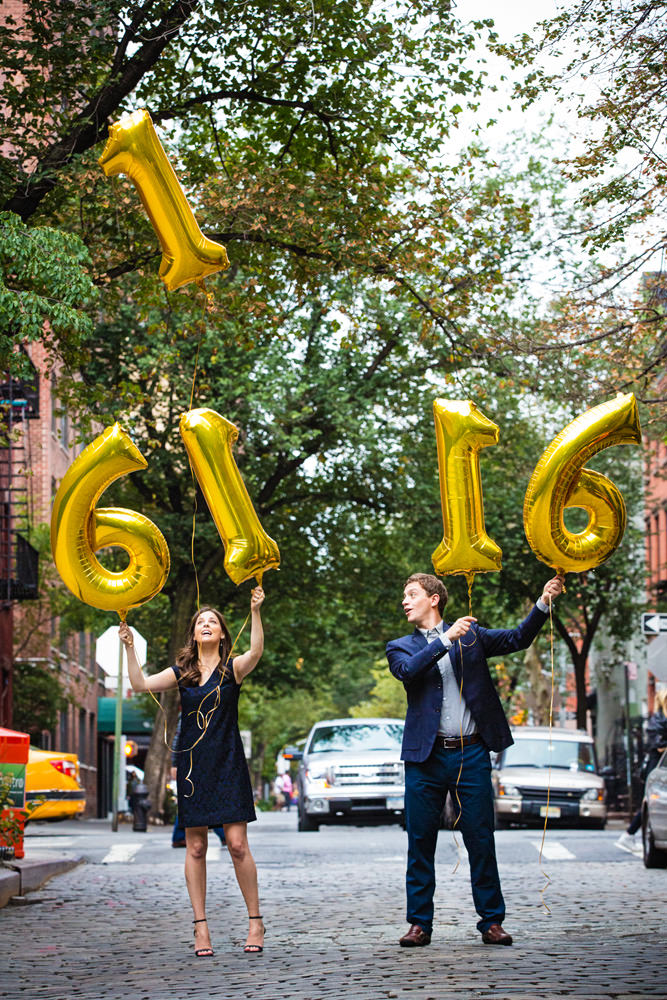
291	753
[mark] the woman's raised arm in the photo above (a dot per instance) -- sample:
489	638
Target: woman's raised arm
248	661
140	682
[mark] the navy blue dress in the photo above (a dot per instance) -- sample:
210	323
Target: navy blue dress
218	788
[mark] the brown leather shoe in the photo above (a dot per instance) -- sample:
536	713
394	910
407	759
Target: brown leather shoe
496	935
415	938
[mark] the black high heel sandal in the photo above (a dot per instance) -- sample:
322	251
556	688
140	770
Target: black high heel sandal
255	949
202	952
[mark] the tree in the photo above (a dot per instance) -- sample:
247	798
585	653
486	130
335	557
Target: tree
45	288
604	62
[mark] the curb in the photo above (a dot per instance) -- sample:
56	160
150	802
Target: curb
19	877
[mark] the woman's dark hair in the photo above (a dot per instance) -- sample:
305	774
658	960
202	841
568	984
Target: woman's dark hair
187	660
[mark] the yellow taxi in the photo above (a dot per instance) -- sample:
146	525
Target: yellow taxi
52	781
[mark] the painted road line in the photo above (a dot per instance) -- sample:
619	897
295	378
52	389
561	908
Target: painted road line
120	853
553	850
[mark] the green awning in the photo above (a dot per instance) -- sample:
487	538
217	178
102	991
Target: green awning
134	719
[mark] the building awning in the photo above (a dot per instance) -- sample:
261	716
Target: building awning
656	657
135	721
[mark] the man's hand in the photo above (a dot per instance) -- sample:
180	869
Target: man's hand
459	628
552	588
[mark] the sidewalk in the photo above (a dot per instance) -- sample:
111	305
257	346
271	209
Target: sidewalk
24	875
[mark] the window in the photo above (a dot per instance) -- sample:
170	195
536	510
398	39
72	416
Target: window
63	731
82	748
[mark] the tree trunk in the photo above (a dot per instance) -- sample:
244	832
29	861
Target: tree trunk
158	759
580	686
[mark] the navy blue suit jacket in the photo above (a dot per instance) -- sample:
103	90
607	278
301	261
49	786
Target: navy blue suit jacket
413	660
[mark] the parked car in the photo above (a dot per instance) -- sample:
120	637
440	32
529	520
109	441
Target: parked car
549	773
351	772
654	816
53	777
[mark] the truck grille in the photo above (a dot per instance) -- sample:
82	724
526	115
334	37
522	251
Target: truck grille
557	796
368	774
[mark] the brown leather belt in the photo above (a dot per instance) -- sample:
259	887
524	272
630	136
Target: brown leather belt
456	742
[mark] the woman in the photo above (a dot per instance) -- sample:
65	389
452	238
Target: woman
212	780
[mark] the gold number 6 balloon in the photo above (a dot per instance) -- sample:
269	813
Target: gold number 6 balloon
208	439
560	481
79	529
134	149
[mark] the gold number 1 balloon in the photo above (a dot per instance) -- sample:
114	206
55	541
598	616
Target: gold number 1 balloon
560	481
461	430
208	439
134	149
79	529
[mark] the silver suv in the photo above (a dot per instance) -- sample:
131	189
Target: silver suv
549	773
351	772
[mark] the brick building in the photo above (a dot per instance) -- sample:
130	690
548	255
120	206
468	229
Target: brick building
41	448
656	560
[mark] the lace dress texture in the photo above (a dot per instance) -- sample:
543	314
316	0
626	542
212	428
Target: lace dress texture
218	789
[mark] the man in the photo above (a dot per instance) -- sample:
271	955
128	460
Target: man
454	719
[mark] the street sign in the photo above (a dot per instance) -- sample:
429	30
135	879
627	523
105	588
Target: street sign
654	623
107	649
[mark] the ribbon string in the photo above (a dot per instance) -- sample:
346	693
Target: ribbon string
546	814
203	719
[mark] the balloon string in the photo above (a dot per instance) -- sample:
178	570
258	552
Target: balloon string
470	578
458	776
546	814
207	717
202	327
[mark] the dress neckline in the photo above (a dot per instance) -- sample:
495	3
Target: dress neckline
216	670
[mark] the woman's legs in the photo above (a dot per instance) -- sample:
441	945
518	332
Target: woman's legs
236	835
196	842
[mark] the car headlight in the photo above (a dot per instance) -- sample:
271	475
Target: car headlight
511	790
320	773
597	794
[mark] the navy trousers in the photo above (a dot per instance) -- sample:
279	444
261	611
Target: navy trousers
426	787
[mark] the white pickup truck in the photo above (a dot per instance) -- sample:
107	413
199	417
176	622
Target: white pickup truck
351	772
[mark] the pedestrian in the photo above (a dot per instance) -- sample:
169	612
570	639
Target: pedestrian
287	790
656	743
213	783
178	832
454	719
278	794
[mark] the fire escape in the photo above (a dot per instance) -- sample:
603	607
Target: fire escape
19	403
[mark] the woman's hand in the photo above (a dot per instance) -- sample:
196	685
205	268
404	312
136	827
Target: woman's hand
125	635
256	598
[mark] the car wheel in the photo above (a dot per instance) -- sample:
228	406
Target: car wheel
306	824
653	856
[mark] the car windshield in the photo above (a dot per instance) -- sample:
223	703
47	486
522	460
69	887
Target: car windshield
365	736
567	754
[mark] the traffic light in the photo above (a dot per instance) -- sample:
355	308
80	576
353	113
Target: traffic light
131	749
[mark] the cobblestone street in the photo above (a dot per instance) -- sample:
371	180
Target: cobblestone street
333	904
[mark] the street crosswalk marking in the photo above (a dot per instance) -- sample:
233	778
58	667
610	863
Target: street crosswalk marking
120	853
553	850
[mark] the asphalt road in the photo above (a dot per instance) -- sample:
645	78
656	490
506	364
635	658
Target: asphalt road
333	901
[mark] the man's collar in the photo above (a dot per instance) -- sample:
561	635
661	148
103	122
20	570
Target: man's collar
439	628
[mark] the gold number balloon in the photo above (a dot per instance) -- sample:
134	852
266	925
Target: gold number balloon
208	439
134	149
461	430
560	481
79	529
